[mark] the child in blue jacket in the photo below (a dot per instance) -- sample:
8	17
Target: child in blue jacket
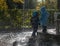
44	18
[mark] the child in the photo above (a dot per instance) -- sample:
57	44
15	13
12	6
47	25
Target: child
35	22
44	19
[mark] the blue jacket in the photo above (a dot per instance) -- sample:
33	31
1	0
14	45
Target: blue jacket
35	13
35	18
44	16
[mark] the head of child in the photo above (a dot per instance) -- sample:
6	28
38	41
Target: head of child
37	8
43	9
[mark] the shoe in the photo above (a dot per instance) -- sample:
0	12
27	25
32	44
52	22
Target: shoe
33	36
45	33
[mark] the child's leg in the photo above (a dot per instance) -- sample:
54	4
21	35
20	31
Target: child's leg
34	30
44	29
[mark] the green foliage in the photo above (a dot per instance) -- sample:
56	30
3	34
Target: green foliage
19	17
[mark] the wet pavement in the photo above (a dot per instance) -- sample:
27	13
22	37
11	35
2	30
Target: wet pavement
24	39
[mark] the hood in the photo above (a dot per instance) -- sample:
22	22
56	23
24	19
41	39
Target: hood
35	13
43	9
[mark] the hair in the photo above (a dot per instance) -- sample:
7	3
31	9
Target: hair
37	7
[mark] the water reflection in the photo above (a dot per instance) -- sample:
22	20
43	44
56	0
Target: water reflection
24	39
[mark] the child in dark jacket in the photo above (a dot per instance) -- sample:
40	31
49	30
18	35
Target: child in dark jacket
35	22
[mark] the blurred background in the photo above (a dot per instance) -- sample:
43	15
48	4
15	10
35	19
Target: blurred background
16	14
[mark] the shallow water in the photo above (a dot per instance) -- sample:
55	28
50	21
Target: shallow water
22	39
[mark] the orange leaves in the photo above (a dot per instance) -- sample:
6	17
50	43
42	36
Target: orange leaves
3	4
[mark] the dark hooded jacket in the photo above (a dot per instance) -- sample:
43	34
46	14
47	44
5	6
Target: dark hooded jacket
35	18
